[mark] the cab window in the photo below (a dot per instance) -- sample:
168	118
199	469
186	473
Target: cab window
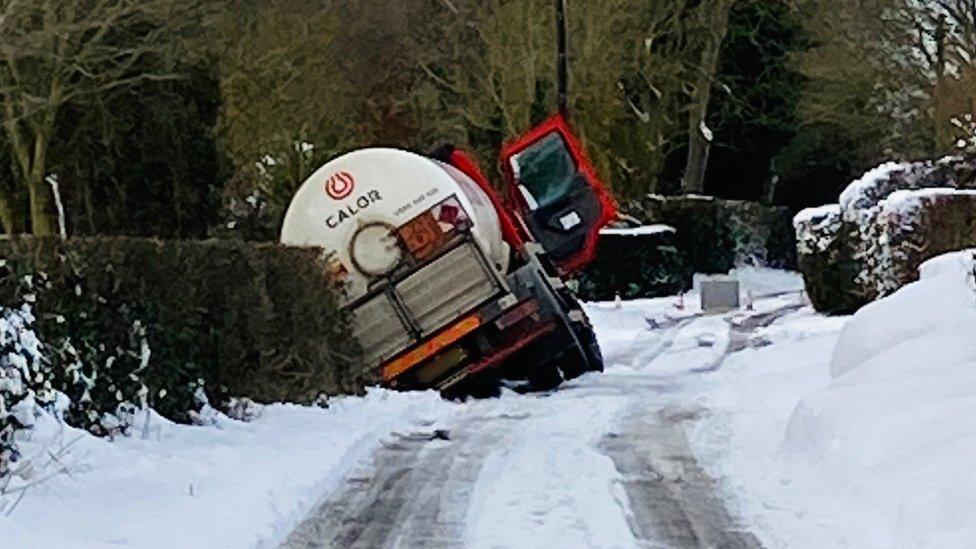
545	169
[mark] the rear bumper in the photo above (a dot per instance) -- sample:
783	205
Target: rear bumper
528	318
418	305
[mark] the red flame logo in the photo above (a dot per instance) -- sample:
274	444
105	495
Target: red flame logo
340	185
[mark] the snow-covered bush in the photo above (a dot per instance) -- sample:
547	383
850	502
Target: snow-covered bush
95	350
21	367
913	226
877	241
864	214
130	322
817	229
826	259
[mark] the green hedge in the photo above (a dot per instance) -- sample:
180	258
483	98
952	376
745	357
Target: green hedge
635	266
826	259
128	322
718	235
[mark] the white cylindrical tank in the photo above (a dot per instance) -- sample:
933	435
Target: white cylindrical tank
351	206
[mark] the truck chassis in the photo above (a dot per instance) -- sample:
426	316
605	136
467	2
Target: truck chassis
462	336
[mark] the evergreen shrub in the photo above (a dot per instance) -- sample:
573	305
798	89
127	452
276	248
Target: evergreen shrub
128	323
633	266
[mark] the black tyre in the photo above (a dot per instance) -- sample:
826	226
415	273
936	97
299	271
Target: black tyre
545	376
592	360
591	347
573	363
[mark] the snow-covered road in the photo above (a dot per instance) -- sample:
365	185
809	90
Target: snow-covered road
604	461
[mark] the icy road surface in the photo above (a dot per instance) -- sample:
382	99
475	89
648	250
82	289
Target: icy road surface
604	461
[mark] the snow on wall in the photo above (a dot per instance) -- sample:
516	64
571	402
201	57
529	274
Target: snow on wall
644	230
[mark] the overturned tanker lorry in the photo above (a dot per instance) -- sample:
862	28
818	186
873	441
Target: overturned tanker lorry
452	284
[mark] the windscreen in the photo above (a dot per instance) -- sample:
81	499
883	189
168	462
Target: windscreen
545	169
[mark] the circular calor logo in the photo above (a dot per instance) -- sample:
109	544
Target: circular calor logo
340	185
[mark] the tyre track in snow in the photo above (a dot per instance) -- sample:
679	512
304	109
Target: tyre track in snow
415	493
417	490
672	502
742	332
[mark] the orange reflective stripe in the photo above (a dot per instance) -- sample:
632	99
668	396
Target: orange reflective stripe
430	347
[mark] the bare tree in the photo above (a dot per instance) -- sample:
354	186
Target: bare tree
632	64
56	52
893	73
711	21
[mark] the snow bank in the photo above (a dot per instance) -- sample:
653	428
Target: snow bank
231	484
892	435
939	308
855	432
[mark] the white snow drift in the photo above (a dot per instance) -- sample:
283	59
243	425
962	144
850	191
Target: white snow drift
230	484
872	448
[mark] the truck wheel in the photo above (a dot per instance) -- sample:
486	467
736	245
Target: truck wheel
573	363
591	347
545	376
592	359
586	358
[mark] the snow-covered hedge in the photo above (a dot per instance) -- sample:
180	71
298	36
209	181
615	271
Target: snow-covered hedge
635	263
885	225
21	367
129	324
826	260
913	226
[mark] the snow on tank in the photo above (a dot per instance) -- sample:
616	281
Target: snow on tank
353	205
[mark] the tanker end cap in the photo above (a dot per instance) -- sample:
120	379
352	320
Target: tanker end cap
354	205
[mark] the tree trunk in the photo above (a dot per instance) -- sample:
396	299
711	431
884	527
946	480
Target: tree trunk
41	208
699	145
41	211
7	215
699	148
41	215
